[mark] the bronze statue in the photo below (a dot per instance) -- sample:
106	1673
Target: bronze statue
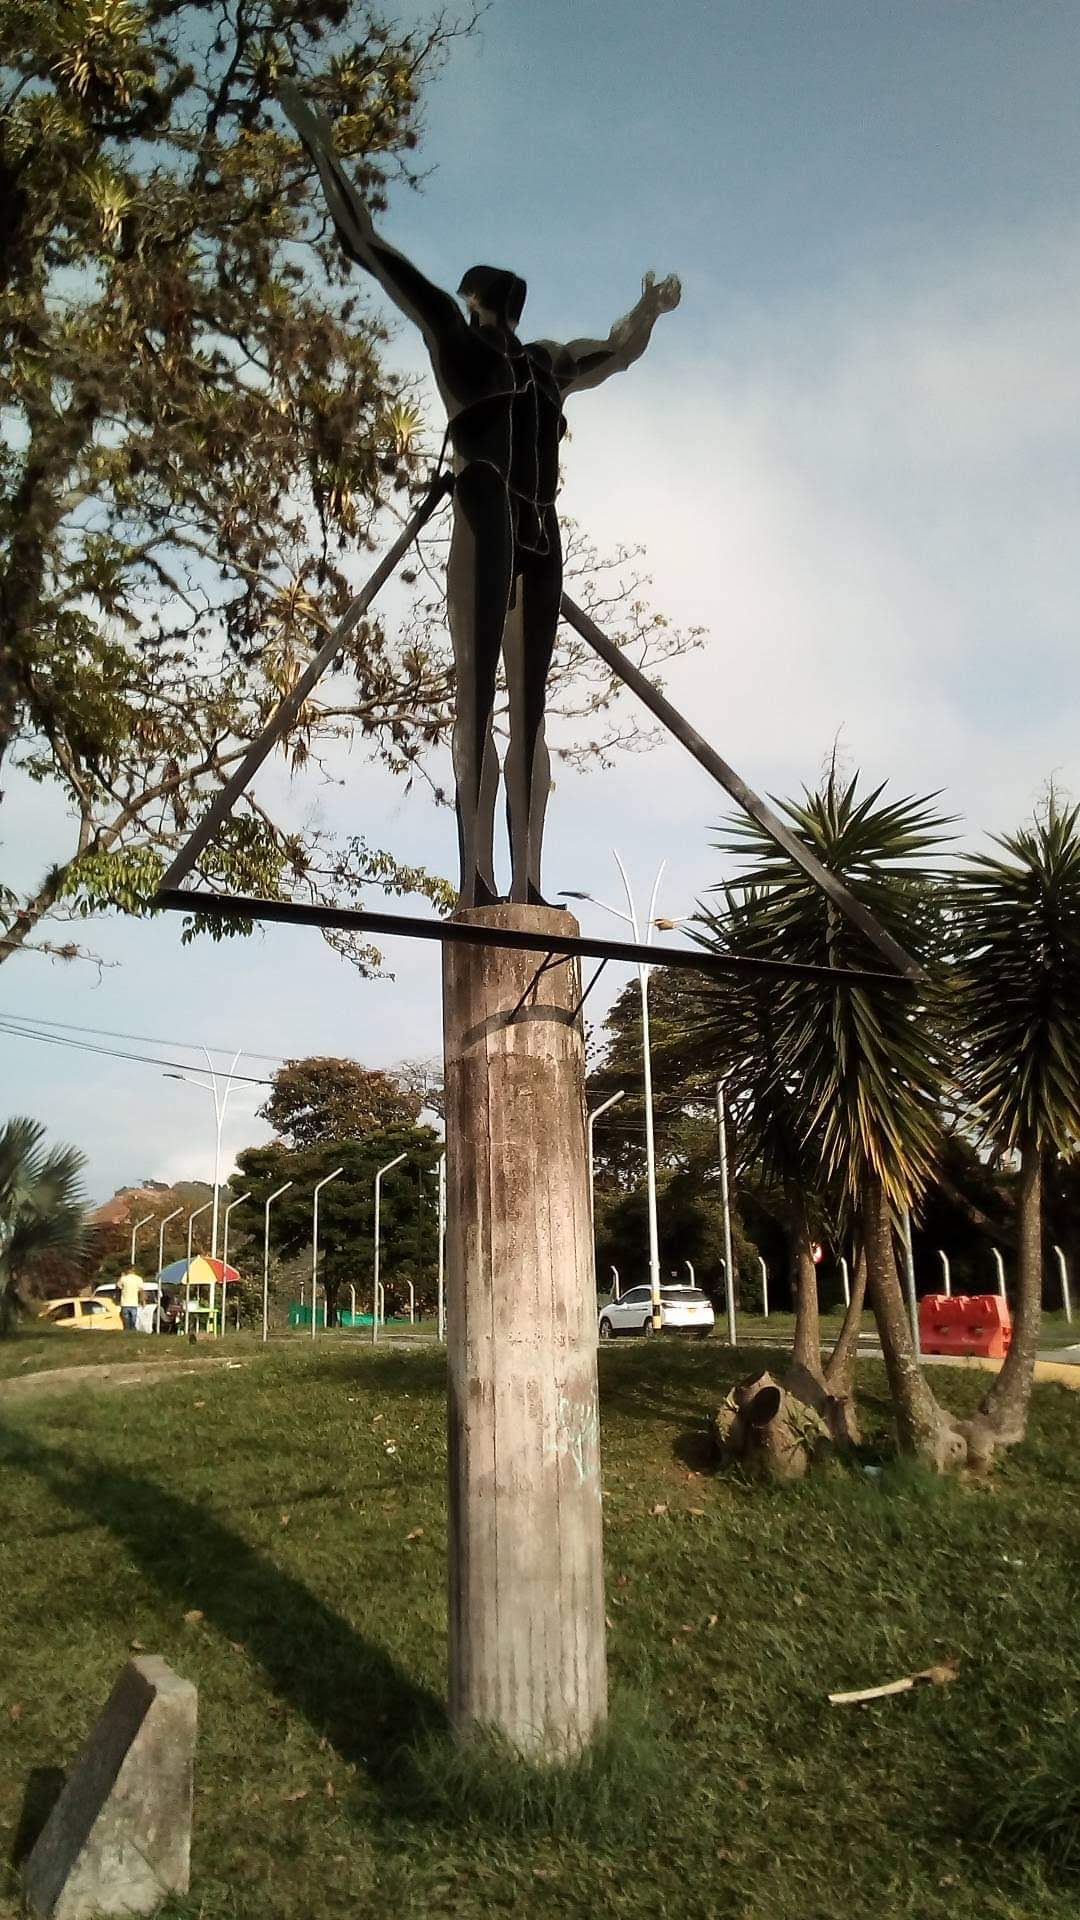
504	402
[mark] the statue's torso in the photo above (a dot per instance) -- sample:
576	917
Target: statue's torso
505	411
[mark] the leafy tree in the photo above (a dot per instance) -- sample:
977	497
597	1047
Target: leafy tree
424	1078
42	1207
320	1099
1018	927
201	432
408	1226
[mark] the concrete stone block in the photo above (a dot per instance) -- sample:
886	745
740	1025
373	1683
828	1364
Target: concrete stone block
118	1840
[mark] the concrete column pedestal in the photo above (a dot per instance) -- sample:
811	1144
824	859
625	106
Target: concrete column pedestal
527	1649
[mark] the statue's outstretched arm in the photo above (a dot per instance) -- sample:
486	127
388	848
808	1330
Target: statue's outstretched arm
585	363
433	311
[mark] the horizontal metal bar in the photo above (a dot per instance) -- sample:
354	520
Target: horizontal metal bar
733	784
289	706
412	927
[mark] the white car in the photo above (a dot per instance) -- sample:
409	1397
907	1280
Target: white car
682	1310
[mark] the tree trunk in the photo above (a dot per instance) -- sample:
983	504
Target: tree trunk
807	1347
527	1648
1005	1406
922	1427
840	1368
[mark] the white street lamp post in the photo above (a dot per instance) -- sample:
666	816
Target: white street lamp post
690	1269
276	1195
319	1185
174	1215
220	1104
615	1284
643	972
613	1101
144	1222
390	1165
764	1286
1064	1272
946	1271
845	1279
721	1130
192	1217
1000	1264
352	1303
238	1202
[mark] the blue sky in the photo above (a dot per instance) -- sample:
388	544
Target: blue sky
853	455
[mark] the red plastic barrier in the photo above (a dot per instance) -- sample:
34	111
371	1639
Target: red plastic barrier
965	1323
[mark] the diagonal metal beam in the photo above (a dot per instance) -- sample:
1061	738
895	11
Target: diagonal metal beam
287	709
733	784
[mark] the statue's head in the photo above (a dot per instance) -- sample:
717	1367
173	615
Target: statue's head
493	296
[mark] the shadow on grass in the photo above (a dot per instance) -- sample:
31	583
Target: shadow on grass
43	1789
419	1370
653	1384
348	1690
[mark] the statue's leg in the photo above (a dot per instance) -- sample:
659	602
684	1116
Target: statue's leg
529	643
478	579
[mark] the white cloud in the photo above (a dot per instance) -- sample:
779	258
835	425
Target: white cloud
872	504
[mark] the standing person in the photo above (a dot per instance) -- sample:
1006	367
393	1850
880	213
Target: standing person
130	1296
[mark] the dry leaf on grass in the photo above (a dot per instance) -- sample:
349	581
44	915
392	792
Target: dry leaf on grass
300	1794
193	1616
660	1507
416	1534
933	1676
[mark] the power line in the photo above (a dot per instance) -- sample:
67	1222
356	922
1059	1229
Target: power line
152	1039
114	1053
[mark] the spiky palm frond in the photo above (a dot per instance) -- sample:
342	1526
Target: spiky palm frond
42	1205
1017	929
865	1060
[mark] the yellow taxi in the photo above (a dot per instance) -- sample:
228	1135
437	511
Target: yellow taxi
94	1315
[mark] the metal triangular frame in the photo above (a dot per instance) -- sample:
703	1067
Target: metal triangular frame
173	895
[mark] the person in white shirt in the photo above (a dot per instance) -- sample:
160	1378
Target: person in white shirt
130	1296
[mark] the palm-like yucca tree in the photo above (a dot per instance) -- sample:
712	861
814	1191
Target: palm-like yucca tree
42	1206
735	1025
1018	938
864	1059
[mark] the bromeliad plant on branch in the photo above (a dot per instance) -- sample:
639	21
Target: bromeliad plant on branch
201	433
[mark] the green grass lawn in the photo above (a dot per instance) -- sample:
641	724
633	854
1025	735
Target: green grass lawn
278	1533
34	1351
